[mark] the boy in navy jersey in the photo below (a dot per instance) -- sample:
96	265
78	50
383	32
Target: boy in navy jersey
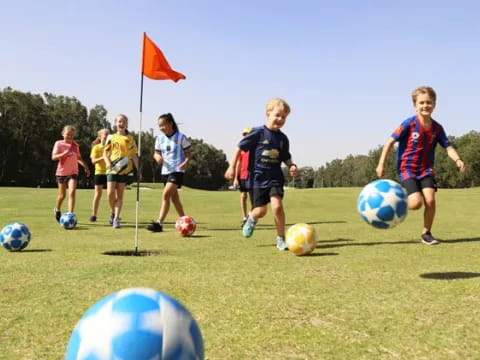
417	138
268	148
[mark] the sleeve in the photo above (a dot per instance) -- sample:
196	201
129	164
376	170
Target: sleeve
77	151
55	148
285	153
133	150
185	143
401	131
250	141
158	144
94	152
442	137
108	143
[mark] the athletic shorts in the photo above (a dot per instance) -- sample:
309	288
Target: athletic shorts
64	179
100	179
261	196
413	185
242	185
125	179
176	178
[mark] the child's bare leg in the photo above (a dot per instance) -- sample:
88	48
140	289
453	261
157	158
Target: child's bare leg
62	190
96	199
119	199
415	201
177	203
168	192
430	208
72	187
278	214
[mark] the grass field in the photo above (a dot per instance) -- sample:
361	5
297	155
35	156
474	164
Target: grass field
363	293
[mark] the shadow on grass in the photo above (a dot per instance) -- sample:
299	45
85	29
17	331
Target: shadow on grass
451	275
461	240
133	253
327	246
32	250
261	227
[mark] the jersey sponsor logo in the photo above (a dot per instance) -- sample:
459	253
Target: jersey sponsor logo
273	153
265	142
415	136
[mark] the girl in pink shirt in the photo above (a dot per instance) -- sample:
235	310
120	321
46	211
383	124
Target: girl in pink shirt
67	153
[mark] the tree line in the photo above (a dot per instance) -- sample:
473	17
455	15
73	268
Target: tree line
31	123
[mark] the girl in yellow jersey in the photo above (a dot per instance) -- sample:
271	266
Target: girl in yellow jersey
96	155
121	158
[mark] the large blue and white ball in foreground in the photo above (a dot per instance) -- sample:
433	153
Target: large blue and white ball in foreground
15	236
383	204
68	220
136	324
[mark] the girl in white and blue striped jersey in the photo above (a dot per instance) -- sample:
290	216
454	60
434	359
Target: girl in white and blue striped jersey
172	151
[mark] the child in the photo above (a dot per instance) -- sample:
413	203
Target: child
96	155
417	137
67	153
240	178
120	157
172	151
268	147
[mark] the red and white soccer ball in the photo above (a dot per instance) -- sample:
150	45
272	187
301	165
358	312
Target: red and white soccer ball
185	226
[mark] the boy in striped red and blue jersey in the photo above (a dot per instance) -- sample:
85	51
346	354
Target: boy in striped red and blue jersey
417	138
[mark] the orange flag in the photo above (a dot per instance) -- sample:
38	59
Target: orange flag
155	65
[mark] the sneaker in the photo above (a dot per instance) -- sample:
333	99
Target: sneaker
58	214
110	219
116	224
428	239
93	218
155	226
243	223
281	244
248	227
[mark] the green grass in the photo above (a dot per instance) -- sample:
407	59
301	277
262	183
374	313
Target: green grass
363	293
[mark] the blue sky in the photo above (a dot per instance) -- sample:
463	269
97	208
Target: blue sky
346	67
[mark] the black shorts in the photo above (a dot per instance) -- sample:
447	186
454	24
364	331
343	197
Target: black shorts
64	179
261	196
242	185
100	180
413	185
176	178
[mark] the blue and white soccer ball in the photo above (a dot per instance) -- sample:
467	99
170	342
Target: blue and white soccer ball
136	324
68	220
15	236
383	204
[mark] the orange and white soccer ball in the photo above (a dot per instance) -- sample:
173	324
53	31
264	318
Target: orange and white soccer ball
185	225
301	239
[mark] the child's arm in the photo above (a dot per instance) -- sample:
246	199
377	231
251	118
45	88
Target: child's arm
452	154
157	156
236	177
106	158
85	166
383	157
188	157
230	173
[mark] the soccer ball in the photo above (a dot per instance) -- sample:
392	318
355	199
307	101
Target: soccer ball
383	204
185	225
68	220
139	324
15	236
301	239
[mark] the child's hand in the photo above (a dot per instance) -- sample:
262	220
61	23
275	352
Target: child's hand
158	158
230	173
293	170
461	166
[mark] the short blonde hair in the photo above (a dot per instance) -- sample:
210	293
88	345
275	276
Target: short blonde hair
277	102
69	128
424	90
